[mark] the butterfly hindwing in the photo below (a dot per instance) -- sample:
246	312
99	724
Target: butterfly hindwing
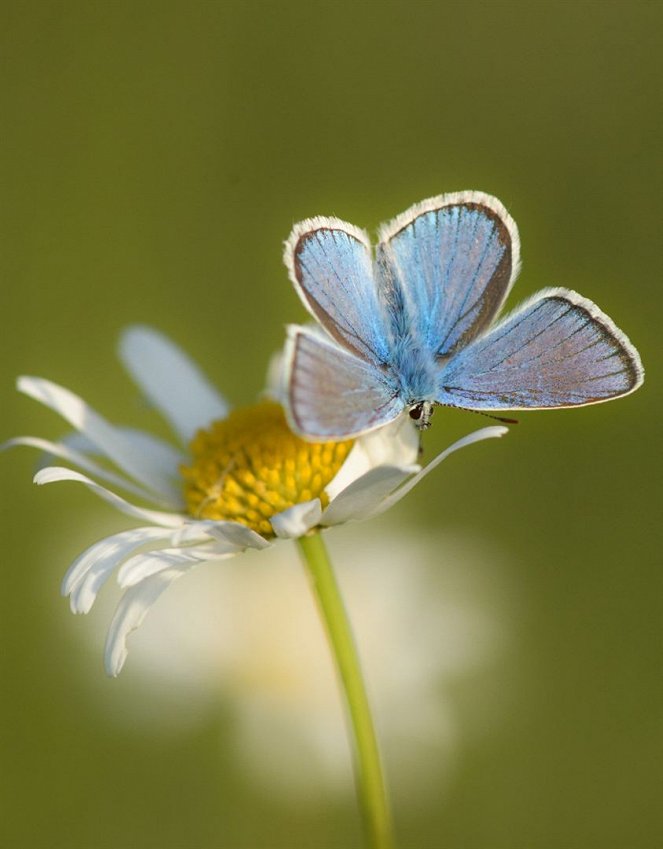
557	350
447	265
333	394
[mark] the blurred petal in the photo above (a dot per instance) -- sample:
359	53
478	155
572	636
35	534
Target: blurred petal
171	381
162	455
90	571
58	473
276	380
366	494
133	458
297	520
79	442
56	449
131	611
477	436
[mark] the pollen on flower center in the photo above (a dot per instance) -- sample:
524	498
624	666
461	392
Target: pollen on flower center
250	466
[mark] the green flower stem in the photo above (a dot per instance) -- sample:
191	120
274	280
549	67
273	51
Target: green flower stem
368	770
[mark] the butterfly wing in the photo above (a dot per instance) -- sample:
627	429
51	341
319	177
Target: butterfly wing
557	350
334	395
331	266
446	266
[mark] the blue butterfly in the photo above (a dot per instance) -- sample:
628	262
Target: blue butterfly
413	327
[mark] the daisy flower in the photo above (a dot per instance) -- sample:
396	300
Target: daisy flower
237	480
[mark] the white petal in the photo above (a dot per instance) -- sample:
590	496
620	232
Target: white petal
298	520
56	449
171	381
276	382
88	573
477	436
395	444
234	533
143	566
366	494
58	473
118	446
131	611
191	531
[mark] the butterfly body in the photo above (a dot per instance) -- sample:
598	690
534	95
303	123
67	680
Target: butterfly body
415	325
414	370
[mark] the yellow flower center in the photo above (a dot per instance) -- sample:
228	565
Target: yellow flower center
250	466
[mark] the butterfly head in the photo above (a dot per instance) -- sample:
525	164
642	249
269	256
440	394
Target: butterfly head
422	412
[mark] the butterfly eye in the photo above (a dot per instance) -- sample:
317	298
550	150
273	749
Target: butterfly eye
421	413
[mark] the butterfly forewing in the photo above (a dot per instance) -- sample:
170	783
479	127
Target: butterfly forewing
330	264
558	350
447	265
333	394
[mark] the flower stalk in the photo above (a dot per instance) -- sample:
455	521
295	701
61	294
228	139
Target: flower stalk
369	780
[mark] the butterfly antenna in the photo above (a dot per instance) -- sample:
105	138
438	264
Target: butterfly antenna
502	419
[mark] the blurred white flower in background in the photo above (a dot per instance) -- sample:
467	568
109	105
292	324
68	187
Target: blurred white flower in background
429	616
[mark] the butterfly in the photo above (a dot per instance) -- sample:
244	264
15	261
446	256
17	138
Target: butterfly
413	326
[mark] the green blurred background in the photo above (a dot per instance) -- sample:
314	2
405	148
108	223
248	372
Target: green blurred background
154	157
